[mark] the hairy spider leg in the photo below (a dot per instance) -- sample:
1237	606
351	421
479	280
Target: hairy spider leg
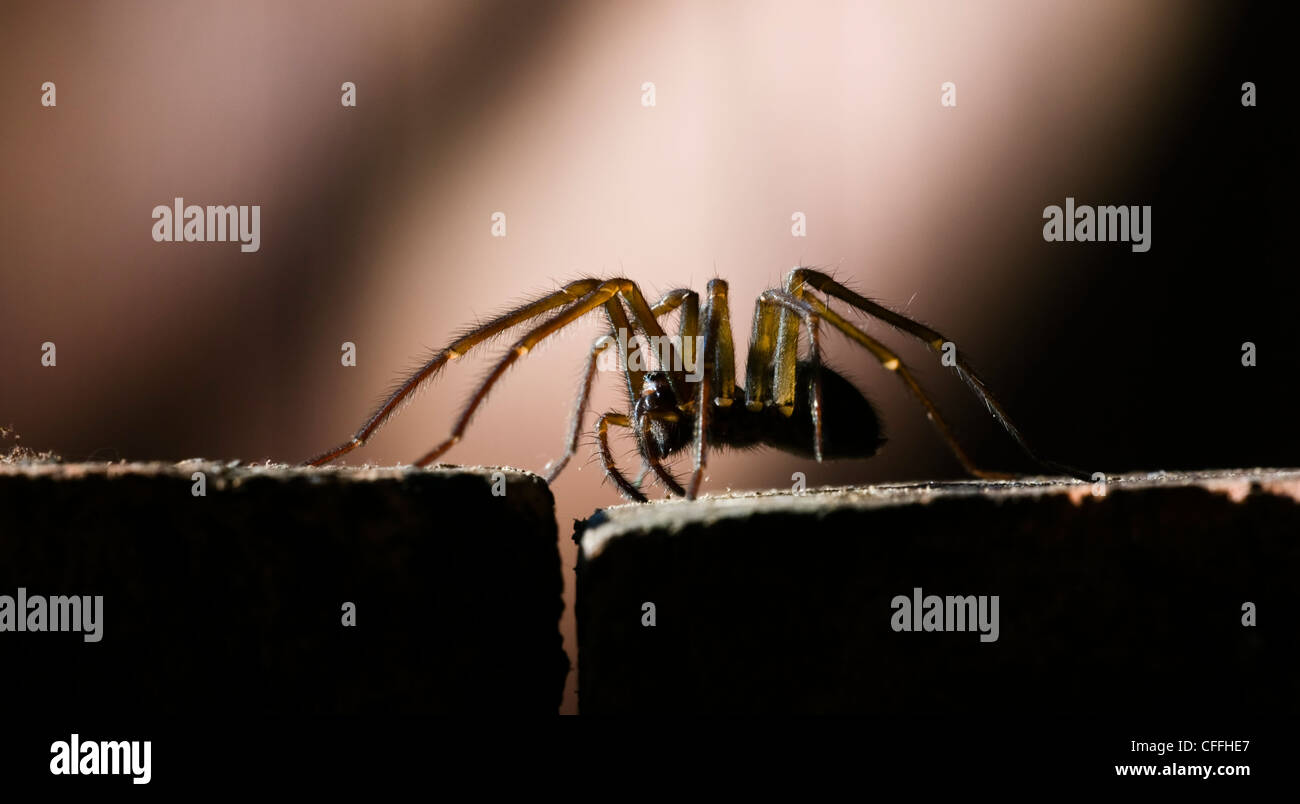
635	379
646	319
689	326
688	329
652	460
800	278
689	302
718	376
810	308
608	290
611	468
780	362
631	491
462	345
759	364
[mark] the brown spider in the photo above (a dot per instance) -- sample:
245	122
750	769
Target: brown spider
670	410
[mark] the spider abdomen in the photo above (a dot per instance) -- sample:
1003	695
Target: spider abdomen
850	426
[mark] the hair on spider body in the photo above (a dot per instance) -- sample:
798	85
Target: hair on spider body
791	403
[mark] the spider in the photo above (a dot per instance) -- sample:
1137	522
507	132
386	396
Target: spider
670	410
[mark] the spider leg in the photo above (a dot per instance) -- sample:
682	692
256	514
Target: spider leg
556	466
618	320
646	319
684	298
718	376
800	278
783	367
611	468
606	292
512	318
762	348
652	460
689	328
773	355
810	308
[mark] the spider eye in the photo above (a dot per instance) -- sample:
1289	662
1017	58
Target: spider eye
657	393
656	382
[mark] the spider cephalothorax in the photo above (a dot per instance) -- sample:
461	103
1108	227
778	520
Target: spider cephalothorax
689	399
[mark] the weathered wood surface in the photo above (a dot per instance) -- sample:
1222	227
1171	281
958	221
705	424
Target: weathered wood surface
233	601
1126	597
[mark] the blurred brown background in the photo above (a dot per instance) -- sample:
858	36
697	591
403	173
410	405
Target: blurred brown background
376	220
